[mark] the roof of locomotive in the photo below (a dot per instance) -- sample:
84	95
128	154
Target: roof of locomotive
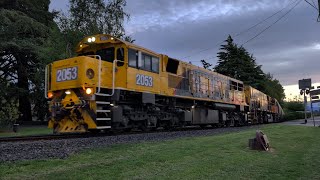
106	38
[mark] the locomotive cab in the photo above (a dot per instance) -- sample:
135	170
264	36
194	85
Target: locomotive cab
77	86
84	90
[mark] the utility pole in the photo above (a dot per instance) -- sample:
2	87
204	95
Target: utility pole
305	107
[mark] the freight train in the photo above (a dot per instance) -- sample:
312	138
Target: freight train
116	85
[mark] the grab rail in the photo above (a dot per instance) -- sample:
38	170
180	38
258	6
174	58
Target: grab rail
46	82
113	80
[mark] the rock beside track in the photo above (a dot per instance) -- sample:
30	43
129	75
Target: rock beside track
62	148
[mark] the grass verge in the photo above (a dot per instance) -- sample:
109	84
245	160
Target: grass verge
295	155
27	131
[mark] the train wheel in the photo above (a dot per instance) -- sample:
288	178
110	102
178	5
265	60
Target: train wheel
203	126
143	126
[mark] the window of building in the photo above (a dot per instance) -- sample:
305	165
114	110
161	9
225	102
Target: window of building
106	54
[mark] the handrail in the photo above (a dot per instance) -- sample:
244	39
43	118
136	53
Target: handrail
99	70
46	82
113	80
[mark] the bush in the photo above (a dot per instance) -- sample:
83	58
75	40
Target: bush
295	115
9	113
293	106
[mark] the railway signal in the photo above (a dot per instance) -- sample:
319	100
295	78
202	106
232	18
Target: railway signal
305	86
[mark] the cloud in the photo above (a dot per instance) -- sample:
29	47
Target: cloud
182	28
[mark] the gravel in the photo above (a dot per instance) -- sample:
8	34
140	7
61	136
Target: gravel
62	148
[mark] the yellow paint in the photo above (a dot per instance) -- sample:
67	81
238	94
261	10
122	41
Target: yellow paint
125	78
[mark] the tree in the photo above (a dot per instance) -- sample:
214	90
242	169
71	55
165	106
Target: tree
24	28
238	63
88	17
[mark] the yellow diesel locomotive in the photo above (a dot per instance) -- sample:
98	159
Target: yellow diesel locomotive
114	84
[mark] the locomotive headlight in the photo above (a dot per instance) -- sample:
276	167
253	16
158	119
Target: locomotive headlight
90	73
89	40
93	39
68	92
50	95
89	90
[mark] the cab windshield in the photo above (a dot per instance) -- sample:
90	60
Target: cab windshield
106	54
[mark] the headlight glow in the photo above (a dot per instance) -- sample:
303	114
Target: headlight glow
89	40
50	94
68	92
89	90
93	39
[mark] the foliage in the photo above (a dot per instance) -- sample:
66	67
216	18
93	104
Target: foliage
273	88
30	39
294	155
92	17
8	112
205	64
291	115
8	104
237	62
294	110
21	36
293	106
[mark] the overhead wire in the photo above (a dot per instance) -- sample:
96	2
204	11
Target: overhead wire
281	17
313	5
244	31
298	2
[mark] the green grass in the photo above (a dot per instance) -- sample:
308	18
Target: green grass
295	155
27	131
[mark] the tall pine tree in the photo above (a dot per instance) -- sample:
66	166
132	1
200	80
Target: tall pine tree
237	62
24	28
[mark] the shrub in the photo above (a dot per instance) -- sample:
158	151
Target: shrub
9	112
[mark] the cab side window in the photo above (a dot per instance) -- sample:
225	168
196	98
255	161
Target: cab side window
132	58
143	61
147	62
120	56
155	64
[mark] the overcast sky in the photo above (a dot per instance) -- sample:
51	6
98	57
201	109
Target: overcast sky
290	49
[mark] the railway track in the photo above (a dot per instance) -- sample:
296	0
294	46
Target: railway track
61	146
43	137
90	135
